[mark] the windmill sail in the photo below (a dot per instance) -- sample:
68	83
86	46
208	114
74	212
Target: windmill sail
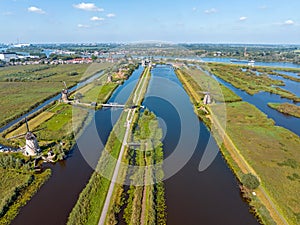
32	146
27	127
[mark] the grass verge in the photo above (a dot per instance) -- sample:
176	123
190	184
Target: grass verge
253	144
91	200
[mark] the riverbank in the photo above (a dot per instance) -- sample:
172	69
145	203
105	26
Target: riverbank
286	108
17	193
247	143
249	81
57	124
21	96
92	199
140	197
145	198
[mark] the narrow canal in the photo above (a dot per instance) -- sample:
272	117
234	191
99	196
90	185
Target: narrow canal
53	99
55	200
193	197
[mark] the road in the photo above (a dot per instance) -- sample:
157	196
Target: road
130	115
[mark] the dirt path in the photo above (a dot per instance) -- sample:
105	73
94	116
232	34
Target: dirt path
144	199
246	168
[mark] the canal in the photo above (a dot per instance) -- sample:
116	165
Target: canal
261	100
55	200
193	197
51	100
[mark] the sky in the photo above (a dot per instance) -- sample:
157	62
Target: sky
176	21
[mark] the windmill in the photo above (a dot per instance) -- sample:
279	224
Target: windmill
207	96
64	94
32	146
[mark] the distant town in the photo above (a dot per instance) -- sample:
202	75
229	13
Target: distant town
30	54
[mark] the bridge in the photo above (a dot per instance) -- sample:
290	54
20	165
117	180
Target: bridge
113	105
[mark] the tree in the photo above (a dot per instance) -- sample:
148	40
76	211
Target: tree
250	181
78	96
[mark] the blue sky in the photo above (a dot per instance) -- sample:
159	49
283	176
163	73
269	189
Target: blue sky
202	21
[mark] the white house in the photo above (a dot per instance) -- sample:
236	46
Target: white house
7	56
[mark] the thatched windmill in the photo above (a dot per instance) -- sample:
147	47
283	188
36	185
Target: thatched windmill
32	147
64	94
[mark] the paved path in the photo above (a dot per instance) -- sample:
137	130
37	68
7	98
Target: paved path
129	119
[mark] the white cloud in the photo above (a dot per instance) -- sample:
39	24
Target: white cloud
289	22
96	18
88	7
194	9
243	18
110	15
83	26
36	10
210	11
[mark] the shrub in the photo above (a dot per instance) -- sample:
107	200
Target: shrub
250	181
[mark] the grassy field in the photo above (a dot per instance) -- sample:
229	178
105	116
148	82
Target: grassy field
33	124
252	143
19	96
286	108
148	212
88	208
61	121
195	81
57	124
18	184
53	125
201	82
145	203
11	181
272	71
269	150
97	92
90	202
249	81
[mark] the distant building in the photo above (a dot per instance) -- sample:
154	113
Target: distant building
146	62
7	56
218	54
21	45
